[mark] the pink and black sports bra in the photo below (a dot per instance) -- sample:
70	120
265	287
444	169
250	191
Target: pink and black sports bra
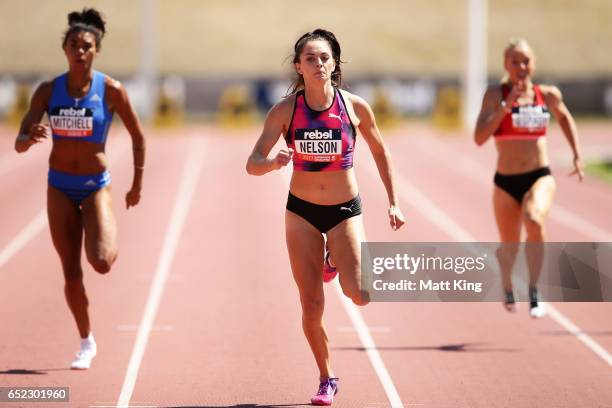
526	121
321	140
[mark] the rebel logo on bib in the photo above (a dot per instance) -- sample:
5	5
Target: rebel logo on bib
72	122
318	145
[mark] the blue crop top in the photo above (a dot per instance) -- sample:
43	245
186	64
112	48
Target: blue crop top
85	119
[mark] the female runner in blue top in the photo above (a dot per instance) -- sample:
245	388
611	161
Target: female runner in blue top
318	121
80	106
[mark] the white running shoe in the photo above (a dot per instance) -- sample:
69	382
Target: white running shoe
537	311
87	352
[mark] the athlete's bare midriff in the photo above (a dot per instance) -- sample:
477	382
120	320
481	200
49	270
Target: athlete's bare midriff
77	157
521	156
325	187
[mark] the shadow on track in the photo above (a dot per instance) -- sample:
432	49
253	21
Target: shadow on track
462	347
37	371
566	333
242	406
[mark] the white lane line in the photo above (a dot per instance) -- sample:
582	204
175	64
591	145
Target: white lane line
367	341
571	220
434	214
37	224
370	347
573	329
431	211
477	172
131	406
23	237
188	183
351	329
596	152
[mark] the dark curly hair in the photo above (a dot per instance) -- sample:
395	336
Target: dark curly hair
89	20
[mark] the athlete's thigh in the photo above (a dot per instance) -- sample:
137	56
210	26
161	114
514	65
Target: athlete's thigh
66	227
100	225
538	199
305	247
508	216
344	242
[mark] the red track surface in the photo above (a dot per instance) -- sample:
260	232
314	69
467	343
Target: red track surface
227	331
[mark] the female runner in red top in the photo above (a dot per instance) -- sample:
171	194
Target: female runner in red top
517	114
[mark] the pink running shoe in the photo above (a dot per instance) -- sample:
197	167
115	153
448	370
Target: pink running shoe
329	271
327	389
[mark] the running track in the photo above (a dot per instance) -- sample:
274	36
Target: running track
201	310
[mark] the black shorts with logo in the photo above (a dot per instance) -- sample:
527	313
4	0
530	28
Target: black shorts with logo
324	217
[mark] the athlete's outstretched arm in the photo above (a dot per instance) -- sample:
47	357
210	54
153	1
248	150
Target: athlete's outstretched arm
275	125
120	102
554	100
31	131
382	157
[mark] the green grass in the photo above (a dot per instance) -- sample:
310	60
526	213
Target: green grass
601	169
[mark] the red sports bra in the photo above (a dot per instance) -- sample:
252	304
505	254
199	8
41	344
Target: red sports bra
525	121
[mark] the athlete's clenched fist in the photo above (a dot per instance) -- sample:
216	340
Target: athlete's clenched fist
283	157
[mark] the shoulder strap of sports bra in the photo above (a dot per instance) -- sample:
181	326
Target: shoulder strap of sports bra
295	108
339	97
98	82
344	108
539	98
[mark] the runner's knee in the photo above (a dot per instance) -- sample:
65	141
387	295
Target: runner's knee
362	299
507	250
312	309
73	286
354	292
534	225
72	271
102	265
73	279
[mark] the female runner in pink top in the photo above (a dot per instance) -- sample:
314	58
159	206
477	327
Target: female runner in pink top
319	122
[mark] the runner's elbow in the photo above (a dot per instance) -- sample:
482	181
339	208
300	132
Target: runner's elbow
256	165
20	148
480	138
251	168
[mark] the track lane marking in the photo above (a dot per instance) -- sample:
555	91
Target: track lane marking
37	224
431	211
475	171
188	183
367	341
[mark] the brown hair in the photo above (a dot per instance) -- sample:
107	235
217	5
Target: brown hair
318	34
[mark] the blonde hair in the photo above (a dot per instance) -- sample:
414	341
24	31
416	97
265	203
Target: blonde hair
513	43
